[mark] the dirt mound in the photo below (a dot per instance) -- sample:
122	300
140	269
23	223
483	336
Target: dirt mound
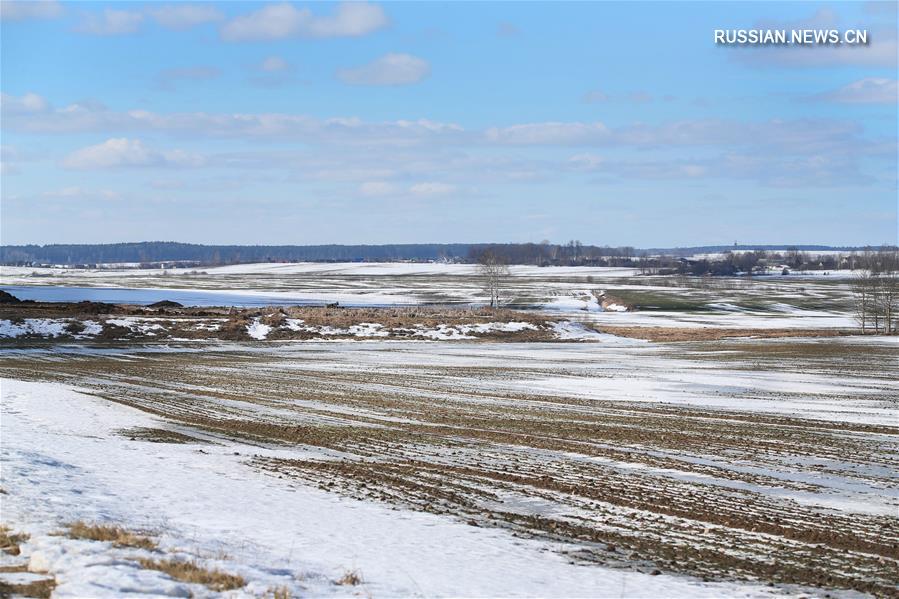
88	307
166	304
8	298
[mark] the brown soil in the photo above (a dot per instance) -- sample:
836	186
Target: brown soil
669	334
451	440
158	435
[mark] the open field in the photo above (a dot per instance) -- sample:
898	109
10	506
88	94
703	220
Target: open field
400	300
605	434
602	466
815	301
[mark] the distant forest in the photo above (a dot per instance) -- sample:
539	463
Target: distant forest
152	253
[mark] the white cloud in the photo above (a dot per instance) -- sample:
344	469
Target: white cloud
551	133
272	22
185	16
586	161
377	189
274	64
20	10
280	21
29	103
124	152
431	189
352	19
693	170
837	140
85	117
111	22
390	69
124	22
634	97
81	193
871	90
380	189
881	50
273	71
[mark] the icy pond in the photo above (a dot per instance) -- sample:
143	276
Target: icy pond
124	295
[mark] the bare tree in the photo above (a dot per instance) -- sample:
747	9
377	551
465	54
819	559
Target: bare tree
875	290
863	294
643	262
493	272
886	292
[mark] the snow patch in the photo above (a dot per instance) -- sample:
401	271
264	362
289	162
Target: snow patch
579	301
258	330
45	327
614	308
137	325
570	330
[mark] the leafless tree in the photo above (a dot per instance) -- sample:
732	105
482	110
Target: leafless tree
875	290
887	301
886	292
863	299
493	272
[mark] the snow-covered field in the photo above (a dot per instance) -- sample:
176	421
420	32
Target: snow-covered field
610	469
795	301
423	450
64	461
771	318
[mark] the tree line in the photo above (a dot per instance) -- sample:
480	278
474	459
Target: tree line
545	253
752	262
156	252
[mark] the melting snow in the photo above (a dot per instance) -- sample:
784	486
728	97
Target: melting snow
258	330
578	301
63	461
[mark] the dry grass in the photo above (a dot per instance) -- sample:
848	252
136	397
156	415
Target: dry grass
193	573
279	593
116	535
350	578
10	541
428	316
274	319
39	589
23	567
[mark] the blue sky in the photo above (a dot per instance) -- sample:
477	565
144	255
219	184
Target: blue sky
305	123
